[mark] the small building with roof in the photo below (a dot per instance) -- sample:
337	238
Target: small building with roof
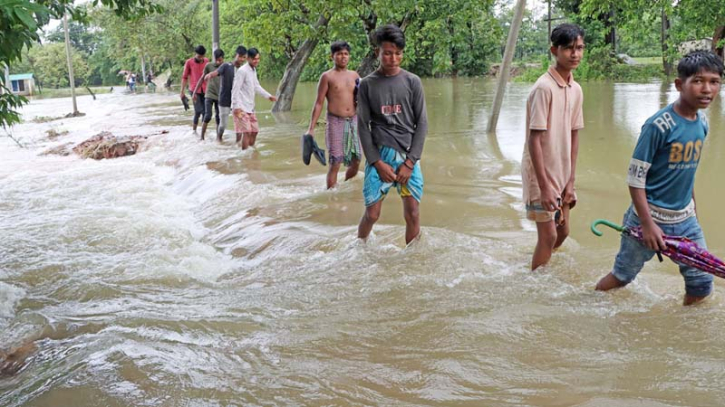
22	84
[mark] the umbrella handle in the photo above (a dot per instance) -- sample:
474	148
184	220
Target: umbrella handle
606	223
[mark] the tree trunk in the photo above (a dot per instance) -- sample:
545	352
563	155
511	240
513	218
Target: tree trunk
293	71
610	34
367	65
453	49
717	37
663	38
143	69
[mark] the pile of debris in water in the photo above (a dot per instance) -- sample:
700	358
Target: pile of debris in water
102	145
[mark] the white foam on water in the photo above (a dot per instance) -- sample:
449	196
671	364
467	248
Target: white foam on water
193	271
9	297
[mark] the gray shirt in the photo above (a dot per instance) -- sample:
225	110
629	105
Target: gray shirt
226	72
391	112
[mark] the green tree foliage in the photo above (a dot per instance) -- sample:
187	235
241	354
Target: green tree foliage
533	41
50	67
20	22
277	28
641	21
455	37
451	37
165	40
81	36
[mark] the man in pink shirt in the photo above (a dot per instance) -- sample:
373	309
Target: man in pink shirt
193	70
553	120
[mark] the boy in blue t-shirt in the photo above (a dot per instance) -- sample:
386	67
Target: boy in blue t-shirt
662	177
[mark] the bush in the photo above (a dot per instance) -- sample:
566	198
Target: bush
599	63
532	74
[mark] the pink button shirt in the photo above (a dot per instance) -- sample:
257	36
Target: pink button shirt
193	71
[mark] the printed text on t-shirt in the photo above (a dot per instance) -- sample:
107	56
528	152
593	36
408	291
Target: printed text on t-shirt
388	110
665	122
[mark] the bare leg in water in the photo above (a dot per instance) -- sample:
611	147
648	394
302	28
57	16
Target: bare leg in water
411	214
371	215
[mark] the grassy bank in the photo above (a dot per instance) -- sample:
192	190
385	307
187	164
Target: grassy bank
599	64
65	92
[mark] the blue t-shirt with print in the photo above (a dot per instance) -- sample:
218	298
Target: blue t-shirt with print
666	157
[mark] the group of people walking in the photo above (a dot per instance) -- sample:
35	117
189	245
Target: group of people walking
383	116
132	81
221	88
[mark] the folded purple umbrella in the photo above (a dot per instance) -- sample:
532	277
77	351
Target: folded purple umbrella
679	249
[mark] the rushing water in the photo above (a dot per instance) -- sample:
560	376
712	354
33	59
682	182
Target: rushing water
195	274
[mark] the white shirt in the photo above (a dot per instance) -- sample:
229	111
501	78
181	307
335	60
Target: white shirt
245	86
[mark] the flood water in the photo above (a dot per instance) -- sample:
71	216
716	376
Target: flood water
195	274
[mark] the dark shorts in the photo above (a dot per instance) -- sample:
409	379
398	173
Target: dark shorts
198	107
208	104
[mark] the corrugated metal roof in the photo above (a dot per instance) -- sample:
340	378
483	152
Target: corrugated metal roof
21	76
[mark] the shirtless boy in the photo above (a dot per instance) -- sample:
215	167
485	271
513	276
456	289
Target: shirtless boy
338	86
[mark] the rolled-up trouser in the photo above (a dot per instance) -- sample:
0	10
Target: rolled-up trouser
223	118
633	254
208	104
198	108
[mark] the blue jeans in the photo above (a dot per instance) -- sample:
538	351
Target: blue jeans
633	254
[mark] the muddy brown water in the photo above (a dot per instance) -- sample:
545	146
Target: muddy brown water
194	274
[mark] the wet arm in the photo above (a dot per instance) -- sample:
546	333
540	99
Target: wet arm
639	199
651	232
202	79
261	91
213	74
372	155
239	78
421	125
322	87
183	85
574	154
569	194
537	159
198	85
184	78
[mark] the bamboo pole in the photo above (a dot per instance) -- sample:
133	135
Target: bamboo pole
508	56
214	26
70	64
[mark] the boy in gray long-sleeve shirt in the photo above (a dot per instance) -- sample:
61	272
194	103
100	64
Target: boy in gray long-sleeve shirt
392	124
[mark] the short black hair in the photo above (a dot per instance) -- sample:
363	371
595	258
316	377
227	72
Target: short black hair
390	33
218	53
252	52
698	61
565	34
241	50
338	46
200	50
